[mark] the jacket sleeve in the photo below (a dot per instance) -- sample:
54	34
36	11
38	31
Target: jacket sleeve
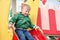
32	25
13	19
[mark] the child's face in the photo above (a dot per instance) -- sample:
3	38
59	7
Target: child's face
25	11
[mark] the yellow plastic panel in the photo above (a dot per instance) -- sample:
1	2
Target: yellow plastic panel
4	12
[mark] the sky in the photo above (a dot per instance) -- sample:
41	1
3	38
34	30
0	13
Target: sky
54	2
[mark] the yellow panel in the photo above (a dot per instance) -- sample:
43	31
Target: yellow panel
34	9
58	0
4	12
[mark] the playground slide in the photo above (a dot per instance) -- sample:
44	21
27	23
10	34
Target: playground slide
4	12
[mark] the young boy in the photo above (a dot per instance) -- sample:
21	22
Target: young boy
22	22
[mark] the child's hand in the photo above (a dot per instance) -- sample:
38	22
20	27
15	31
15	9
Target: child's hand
10	26
38	28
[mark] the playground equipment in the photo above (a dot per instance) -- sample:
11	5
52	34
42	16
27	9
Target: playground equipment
6	34
4	12
33	15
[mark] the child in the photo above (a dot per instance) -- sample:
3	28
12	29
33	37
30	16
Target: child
22	22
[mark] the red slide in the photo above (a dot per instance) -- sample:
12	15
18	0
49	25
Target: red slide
37	35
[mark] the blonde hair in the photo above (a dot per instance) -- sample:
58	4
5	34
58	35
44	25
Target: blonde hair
25	5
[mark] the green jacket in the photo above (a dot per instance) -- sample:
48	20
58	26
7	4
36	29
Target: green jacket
21	21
